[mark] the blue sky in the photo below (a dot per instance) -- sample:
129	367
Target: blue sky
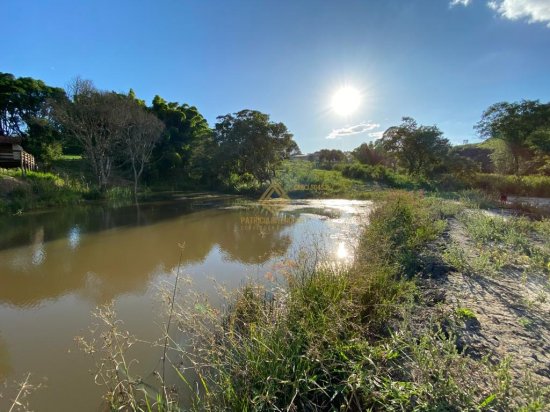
438	62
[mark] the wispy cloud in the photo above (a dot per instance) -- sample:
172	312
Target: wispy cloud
534	11
460	2
351	130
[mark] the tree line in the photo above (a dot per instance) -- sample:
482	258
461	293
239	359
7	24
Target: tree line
172	142
164	141
520	132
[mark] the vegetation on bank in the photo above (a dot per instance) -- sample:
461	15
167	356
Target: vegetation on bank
535	186
121	141
34	190
363	337
20	192
69	182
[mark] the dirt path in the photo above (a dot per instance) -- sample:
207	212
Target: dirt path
512	311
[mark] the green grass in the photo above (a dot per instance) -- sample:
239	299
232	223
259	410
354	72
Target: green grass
67	184
343	339
40	190
510	241
301	180
381	175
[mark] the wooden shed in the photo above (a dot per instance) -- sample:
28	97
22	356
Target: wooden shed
12	154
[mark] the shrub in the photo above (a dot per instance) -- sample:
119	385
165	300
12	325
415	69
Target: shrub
536	186
382	175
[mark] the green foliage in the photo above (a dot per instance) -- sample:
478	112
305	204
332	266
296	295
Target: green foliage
502	158
186	132
479	155
51	153
370	154
465	313
25	110
383	175
420	150
536	186
22	100
248	142
497	243
112	129
301	180
328	158
397	231
523	126
39	190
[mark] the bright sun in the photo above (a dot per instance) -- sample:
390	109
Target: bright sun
346	100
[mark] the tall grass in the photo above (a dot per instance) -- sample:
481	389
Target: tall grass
36	190
39	189
384	176
325	338
333	339
302	180
535	186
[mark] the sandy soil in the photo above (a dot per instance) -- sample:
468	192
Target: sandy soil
512	311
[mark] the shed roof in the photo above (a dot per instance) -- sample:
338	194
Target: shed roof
8	139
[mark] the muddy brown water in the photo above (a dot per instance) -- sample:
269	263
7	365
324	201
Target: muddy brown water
56	267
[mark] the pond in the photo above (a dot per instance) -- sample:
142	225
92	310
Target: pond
57	266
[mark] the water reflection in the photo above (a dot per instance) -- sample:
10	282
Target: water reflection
123	258
38	252
342	251
56	267
5	365
73	237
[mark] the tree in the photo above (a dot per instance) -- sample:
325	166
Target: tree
185	129
539	143
420	150
523	126
331	156
92	118
25	111
139	132
369	154
249	143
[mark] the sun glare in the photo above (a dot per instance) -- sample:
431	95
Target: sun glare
346	100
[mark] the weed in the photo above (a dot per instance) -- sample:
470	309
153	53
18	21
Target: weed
465	313
525	322
20	401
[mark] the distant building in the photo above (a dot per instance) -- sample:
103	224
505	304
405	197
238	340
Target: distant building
13	156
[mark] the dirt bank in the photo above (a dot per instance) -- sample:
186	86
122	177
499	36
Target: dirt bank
501	307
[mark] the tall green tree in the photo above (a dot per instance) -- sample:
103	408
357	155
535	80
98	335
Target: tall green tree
185	130
26	111
420	150
331	156
248	143
369	154
524	127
